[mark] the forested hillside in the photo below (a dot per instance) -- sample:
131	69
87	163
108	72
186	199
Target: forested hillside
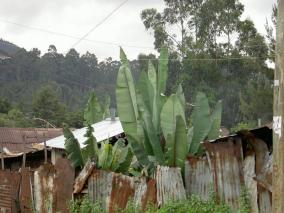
223	57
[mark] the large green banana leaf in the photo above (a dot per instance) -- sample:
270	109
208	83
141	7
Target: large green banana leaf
201	122
176	145
125	160
151	136
105	107
105	156
147	91
93	112
215	121
171	109
152	75
128	110
91	149
180	95
72	148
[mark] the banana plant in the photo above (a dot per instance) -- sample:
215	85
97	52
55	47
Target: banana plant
154	126
115	158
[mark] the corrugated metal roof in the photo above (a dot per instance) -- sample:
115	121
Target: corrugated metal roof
12	139
102	131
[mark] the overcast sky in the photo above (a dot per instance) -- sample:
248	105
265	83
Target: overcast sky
76	18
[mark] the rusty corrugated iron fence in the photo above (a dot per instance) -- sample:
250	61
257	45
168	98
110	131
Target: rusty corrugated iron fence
113	191
48	189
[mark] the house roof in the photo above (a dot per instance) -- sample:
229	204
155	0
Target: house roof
102	131
12	139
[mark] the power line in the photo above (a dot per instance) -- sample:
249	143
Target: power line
91	40
74	37
100	23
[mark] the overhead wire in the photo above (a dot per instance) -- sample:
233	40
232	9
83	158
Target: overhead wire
100	23
72	36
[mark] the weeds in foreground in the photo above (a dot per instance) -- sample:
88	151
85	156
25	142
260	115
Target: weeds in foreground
194	204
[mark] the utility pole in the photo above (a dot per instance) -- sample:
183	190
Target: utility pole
278	116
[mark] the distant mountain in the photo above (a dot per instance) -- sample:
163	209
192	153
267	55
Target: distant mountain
7	49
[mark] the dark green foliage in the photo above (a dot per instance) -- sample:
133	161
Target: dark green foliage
5	106
73	149
46	105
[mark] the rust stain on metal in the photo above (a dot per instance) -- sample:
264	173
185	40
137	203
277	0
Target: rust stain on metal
113	190
150	194
123	189
26	198
43	188
99	187
83	176
9	187
63	185
169	185
226	162
198	177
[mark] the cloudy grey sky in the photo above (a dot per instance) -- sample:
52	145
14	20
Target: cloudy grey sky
75	18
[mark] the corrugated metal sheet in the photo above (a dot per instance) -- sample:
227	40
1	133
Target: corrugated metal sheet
9	187
102	131
226	161
63	185
169	185
113	190
145	193
26	196
264	200
43	188
110	189
198	177
250	183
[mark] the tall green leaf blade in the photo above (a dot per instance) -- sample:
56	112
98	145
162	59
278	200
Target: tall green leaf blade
152	75
180	95
125	161
116	155
105	107
177	145
128	110
215	121
93	111
126	97
171	109
150	130
147	91
163	70
201	122
139	151
73	149
91	149
105	157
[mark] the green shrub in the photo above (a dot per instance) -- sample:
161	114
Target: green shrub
245	201
84	205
